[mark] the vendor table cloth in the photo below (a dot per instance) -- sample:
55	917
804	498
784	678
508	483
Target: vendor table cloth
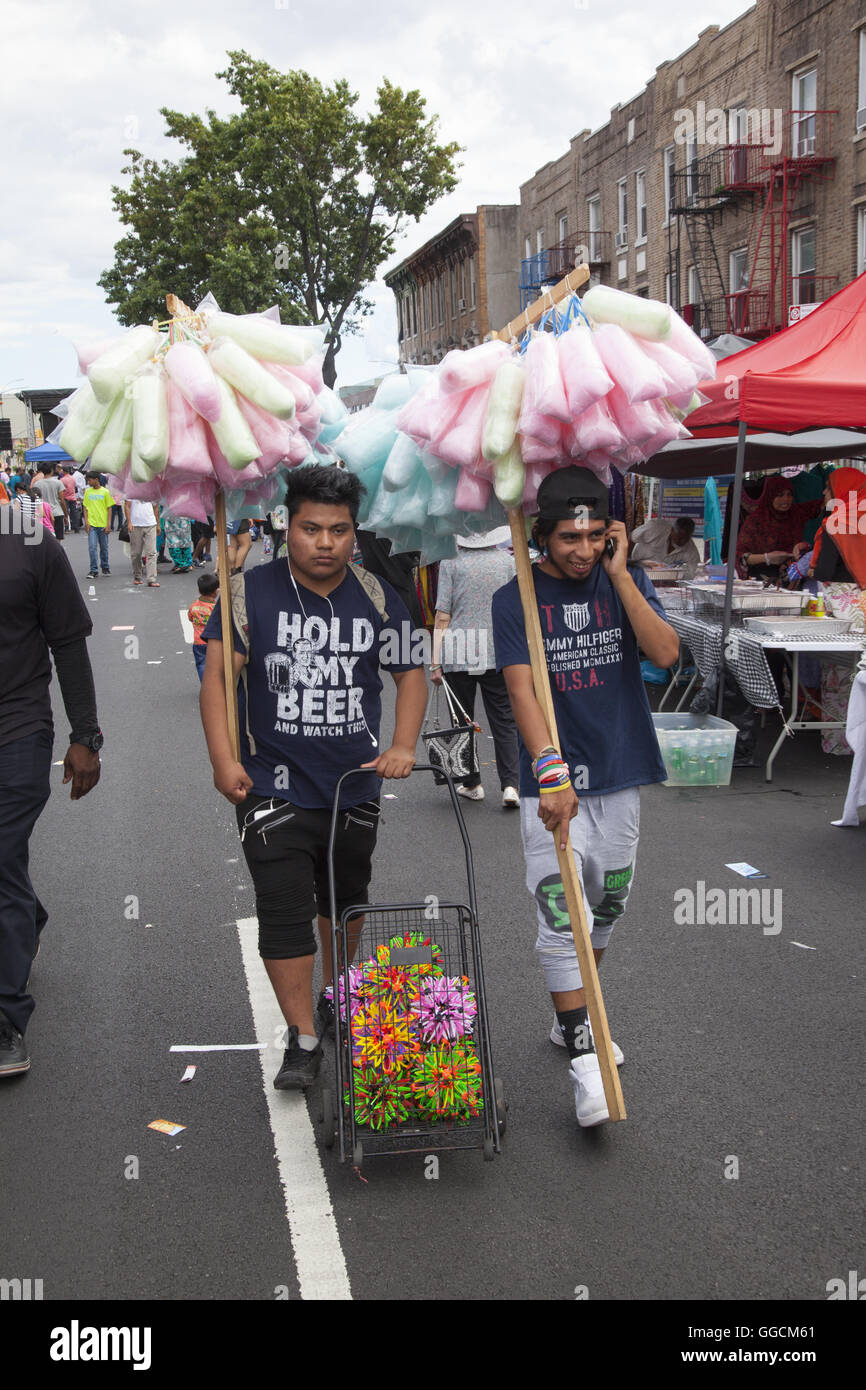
746	658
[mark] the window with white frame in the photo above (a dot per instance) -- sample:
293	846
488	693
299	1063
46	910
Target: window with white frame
472	282
539	241
629	135
640	206
693	285
672	292
527	248
453	276
861	82
622	213
861	240
414	311
803	266
670	164
804	100
691	168
561	226
593	208
738	281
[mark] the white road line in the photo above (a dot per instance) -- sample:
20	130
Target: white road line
185	623
319	1256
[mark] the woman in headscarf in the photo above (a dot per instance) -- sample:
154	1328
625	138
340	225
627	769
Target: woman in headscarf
839	554
773	533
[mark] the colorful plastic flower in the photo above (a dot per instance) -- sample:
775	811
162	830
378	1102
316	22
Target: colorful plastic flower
446	1082
446	1009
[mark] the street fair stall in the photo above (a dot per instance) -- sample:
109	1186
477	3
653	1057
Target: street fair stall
605	381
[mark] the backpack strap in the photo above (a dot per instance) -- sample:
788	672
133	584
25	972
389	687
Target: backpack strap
242	627
372	588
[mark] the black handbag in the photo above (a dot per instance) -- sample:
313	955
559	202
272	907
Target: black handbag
123	533
454	748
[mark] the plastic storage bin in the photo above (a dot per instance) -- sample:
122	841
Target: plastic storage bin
697	749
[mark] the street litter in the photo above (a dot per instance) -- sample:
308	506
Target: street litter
166	1126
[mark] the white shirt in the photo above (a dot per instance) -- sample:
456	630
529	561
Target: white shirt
80	484
141	513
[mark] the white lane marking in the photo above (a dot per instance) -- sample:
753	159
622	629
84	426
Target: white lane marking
217	1047
155	663
124	629
319	1256
803	946
186	625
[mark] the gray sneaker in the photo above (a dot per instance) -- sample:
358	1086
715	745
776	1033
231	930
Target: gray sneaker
300	1068
14	1057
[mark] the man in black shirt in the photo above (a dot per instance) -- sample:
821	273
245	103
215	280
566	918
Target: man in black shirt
42	610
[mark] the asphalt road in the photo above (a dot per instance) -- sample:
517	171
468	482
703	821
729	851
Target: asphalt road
740	1044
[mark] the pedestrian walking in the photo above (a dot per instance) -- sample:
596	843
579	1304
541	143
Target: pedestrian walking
595	612
49	489
141	523
97	502
178	538
199	613
43	612
239	543
463	649
308	639
70	496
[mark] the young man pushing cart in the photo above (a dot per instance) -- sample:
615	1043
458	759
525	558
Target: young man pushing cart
309	632
595	613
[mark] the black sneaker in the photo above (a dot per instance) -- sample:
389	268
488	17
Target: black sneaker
14	1056
325	1014
300	1068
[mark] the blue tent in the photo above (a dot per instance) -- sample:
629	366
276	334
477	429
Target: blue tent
48	453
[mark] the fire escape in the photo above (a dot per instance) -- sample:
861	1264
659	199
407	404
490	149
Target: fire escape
751	178
546	268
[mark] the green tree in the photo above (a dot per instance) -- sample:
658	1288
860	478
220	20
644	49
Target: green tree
296	200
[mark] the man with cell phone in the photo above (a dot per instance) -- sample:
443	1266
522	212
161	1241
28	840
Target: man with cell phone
596	612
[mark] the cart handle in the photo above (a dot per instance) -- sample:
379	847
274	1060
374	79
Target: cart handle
461	824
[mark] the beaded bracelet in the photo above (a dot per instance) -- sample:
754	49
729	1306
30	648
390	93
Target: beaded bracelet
544	756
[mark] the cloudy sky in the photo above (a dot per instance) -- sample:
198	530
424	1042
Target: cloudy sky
511	82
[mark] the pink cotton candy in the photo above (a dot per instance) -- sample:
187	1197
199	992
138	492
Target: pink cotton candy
690	346
187	437
419	417
188	367
636	375
460	371
227	476
472	494
583	373
535	451
309	371
308	423
638	422
600	464
679	373
305	396
596	429
544	379
183	497
273	436
535	475
460	444
299	447
143	492
88	352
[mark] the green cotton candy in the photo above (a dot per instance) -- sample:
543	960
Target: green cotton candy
509	477
231	431
113	449
85	423
109	373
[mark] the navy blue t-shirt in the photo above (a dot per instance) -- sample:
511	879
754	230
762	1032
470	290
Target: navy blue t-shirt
314	689
602	712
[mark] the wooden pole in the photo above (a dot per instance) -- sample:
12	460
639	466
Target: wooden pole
541	681
568	868
228	629
572	282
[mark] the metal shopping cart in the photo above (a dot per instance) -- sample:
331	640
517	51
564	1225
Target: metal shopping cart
414	1070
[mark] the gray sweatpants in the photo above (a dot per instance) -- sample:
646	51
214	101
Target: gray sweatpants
604	836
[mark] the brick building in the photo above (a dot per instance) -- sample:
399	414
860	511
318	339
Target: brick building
733	185
459	285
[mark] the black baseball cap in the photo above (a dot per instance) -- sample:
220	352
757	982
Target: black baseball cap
573	492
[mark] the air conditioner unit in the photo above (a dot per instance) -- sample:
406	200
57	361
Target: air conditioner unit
461	305
806	147
861	118
621	241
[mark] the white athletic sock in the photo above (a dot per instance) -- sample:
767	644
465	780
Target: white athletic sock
307	1043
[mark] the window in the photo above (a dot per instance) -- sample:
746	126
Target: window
453	275
561	226
693	285
593	207
630	131
804	99
440	294
738	280
527	248
622	214
738	134
803	266
539	241
640	205
414	312
670	164
861	83
672	292
471	282
691	169
861	240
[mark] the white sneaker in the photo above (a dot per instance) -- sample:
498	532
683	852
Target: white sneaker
471	793
589	1101
510	798
557	1038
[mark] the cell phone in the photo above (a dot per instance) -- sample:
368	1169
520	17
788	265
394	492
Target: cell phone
610	547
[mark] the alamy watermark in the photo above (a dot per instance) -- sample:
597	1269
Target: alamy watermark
15	522
729	907
703	126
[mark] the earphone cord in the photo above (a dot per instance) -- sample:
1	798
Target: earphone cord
374	741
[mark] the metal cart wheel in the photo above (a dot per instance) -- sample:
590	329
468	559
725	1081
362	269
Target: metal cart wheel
489	1151
501	1104
329	1118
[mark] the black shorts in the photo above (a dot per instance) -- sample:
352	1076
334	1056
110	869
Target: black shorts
288	866
201	530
